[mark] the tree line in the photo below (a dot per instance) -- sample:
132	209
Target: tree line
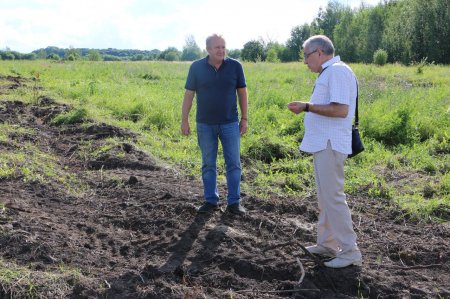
404	31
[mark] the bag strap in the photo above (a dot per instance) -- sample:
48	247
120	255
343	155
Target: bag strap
356	108
314	87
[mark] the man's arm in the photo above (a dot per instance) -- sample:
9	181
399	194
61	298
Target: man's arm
330	110
186	108
243	105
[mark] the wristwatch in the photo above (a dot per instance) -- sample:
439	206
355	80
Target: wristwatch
307	107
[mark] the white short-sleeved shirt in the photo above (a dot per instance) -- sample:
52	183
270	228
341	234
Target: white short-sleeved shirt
337	83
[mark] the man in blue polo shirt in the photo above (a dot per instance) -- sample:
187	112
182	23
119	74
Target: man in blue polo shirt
219	83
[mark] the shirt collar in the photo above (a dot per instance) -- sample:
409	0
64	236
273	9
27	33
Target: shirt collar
331	61
225	59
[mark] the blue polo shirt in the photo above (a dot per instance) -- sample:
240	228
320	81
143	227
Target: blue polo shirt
216	90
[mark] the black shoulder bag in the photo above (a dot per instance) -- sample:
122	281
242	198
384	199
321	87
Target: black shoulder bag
357	145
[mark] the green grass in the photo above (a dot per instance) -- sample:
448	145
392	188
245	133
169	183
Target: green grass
23	160
23	282
404	121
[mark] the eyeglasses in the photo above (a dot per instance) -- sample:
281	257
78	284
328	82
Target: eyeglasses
310	53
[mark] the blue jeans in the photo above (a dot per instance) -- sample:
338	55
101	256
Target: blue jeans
208	141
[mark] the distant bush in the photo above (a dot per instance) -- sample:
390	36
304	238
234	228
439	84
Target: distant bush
272	56
70	57
108	57
94	55
172	56
29	56
380	57
8	56
53	56
235	53
138	57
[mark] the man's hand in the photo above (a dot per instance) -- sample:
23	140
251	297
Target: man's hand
297	107
243	126
185	128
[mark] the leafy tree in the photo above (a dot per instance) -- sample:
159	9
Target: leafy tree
72	54
327	19
253	51
94	55
274	52
375	28
138	57
170	54
41	54
398	32
29	56
345	37
191	51
431	30
272	56
53	56
360	24
294	45
234	53
8	56
108	57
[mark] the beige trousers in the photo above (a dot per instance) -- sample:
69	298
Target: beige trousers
335	227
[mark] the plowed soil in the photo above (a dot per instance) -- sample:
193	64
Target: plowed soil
135	233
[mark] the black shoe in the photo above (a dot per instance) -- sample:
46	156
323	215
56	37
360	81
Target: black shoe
236	209
207	208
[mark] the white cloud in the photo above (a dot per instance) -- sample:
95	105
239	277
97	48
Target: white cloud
148	24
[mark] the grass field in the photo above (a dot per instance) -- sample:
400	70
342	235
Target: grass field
404	120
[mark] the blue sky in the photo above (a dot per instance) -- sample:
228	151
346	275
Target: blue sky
27	25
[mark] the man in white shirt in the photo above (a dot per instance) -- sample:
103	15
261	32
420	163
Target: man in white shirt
328	136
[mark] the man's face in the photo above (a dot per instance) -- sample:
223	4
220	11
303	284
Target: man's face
216	49
312	59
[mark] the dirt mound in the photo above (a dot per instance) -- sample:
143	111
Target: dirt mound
134	232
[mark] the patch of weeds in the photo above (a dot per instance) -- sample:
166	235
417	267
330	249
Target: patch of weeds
394	162
438	145
22	282
268	151
441	211
32	165
422	64
106	147
295	127
110	147
93	87
131	112
429	191
36	79
394	128
71	117
380	189
151	77
159	121
294	184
